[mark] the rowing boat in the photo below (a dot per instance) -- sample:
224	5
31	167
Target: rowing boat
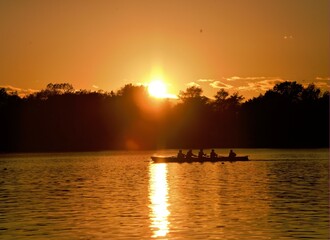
172	159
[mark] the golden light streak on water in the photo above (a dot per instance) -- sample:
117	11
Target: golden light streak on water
158	195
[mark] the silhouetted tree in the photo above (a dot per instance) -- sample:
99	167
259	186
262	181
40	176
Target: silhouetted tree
191	93
60	88
222	102
287	116
60	118
190	118
311	93
10	107
220	99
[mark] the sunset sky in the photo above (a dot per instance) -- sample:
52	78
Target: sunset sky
238	45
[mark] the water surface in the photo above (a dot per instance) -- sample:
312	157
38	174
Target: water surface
279	194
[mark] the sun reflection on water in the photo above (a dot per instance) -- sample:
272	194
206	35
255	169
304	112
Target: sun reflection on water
158	195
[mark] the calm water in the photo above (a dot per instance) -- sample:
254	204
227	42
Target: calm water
279	194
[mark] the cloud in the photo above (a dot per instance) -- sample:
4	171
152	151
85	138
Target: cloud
249	86
253	86
218	84
19	91
95	86
205	80
215	83
322	78
236	78
261	86
193	84
323	83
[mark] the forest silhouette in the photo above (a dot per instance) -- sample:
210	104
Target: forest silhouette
60	118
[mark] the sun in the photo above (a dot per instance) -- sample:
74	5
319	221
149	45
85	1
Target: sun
157	88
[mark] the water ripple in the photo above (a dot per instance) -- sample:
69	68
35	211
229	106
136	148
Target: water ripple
123	196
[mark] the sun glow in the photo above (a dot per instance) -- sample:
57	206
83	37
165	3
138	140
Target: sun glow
157	88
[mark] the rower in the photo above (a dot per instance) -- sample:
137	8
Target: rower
213	155
201	153
232	154
190	154
180	154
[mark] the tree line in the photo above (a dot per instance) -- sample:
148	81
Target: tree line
60	118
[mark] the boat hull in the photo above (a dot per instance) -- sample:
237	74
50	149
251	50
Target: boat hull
195	159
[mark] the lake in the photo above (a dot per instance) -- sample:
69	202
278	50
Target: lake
279	194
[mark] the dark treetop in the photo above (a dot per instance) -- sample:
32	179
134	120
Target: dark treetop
60	118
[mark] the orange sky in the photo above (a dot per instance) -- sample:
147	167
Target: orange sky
239	45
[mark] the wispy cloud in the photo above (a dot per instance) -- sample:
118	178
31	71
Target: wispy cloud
205	80
323	83
221	85
261	86
95	86
252	86
19	91
322	78
193	84
257	84
248	86
236	78
214	83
